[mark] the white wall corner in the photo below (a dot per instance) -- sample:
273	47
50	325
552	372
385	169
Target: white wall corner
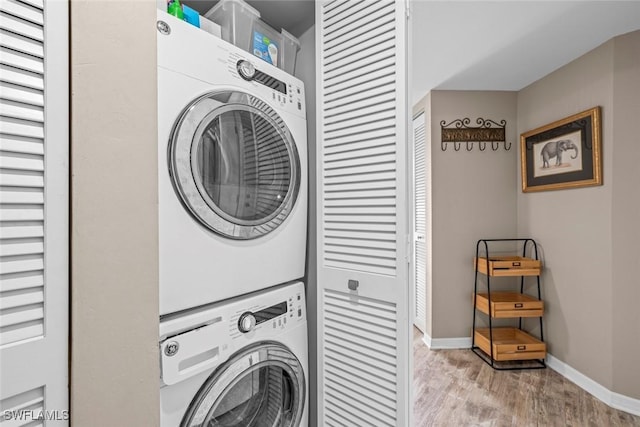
615	400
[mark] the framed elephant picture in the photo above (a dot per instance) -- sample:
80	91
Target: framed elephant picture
562	154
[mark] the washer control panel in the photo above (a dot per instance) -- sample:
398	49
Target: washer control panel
273	318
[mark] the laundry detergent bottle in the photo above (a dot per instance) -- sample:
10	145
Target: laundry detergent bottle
175	8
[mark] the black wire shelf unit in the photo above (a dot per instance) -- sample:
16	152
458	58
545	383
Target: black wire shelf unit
508	348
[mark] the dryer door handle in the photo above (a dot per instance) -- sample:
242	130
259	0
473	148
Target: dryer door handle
193	352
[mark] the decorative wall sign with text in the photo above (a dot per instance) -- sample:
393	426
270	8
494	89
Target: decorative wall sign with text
487	131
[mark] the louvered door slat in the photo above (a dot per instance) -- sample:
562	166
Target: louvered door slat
20	26
355	395
372	136
359	76
39	4
12	282
355	146
339	9
22	298
20	230
369	384
362	130
23	128
420	212
353	44
363	105
22	162
24	44
26	314
374	185
21	247
33	329
344	198
21	263
336	240
22	94
344	117
21	60
352	349
23	11
23	111
359	61
352	98
344	151
12	195
380	38
349	417
11	77
352	22
25	178
350	162
380	203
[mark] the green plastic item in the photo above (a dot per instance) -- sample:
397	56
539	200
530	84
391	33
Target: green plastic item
175	9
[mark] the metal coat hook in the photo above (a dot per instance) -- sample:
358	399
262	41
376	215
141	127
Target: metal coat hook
459	131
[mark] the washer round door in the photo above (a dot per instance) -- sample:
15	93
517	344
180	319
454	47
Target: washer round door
261	386
234	164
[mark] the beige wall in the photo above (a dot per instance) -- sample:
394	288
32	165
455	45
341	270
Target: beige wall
574	226
590	235
626	212
473	197
114	259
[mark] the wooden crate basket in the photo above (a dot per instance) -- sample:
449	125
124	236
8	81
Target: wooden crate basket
509	304
510	344
508	266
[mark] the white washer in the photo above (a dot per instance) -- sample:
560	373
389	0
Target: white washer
241	362
232	170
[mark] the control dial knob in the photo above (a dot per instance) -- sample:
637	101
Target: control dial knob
246	322
246	69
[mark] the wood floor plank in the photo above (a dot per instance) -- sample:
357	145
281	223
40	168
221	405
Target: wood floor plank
456	388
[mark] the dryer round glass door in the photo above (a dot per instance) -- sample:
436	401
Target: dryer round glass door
234	164
261	386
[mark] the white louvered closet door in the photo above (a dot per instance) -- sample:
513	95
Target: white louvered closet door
34	147
363	282
419	222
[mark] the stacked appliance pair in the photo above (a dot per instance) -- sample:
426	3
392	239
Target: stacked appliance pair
232	177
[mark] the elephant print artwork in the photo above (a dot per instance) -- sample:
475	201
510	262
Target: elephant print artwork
558	155
554	149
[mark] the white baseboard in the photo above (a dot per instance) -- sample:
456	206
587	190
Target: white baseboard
446	343
613	399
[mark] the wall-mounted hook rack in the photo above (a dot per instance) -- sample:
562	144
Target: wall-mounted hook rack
459	131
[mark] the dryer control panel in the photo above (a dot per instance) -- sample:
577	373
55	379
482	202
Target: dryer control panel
284	91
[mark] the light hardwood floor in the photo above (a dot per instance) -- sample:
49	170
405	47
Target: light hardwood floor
456	388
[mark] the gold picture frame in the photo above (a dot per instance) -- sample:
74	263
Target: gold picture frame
563	154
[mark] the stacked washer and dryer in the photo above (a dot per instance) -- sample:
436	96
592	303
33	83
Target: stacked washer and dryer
232	157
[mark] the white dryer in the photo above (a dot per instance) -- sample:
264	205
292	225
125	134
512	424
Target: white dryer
241	362
232	170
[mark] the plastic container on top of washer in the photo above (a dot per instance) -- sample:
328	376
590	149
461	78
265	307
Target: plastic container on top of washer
241	25
288	51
